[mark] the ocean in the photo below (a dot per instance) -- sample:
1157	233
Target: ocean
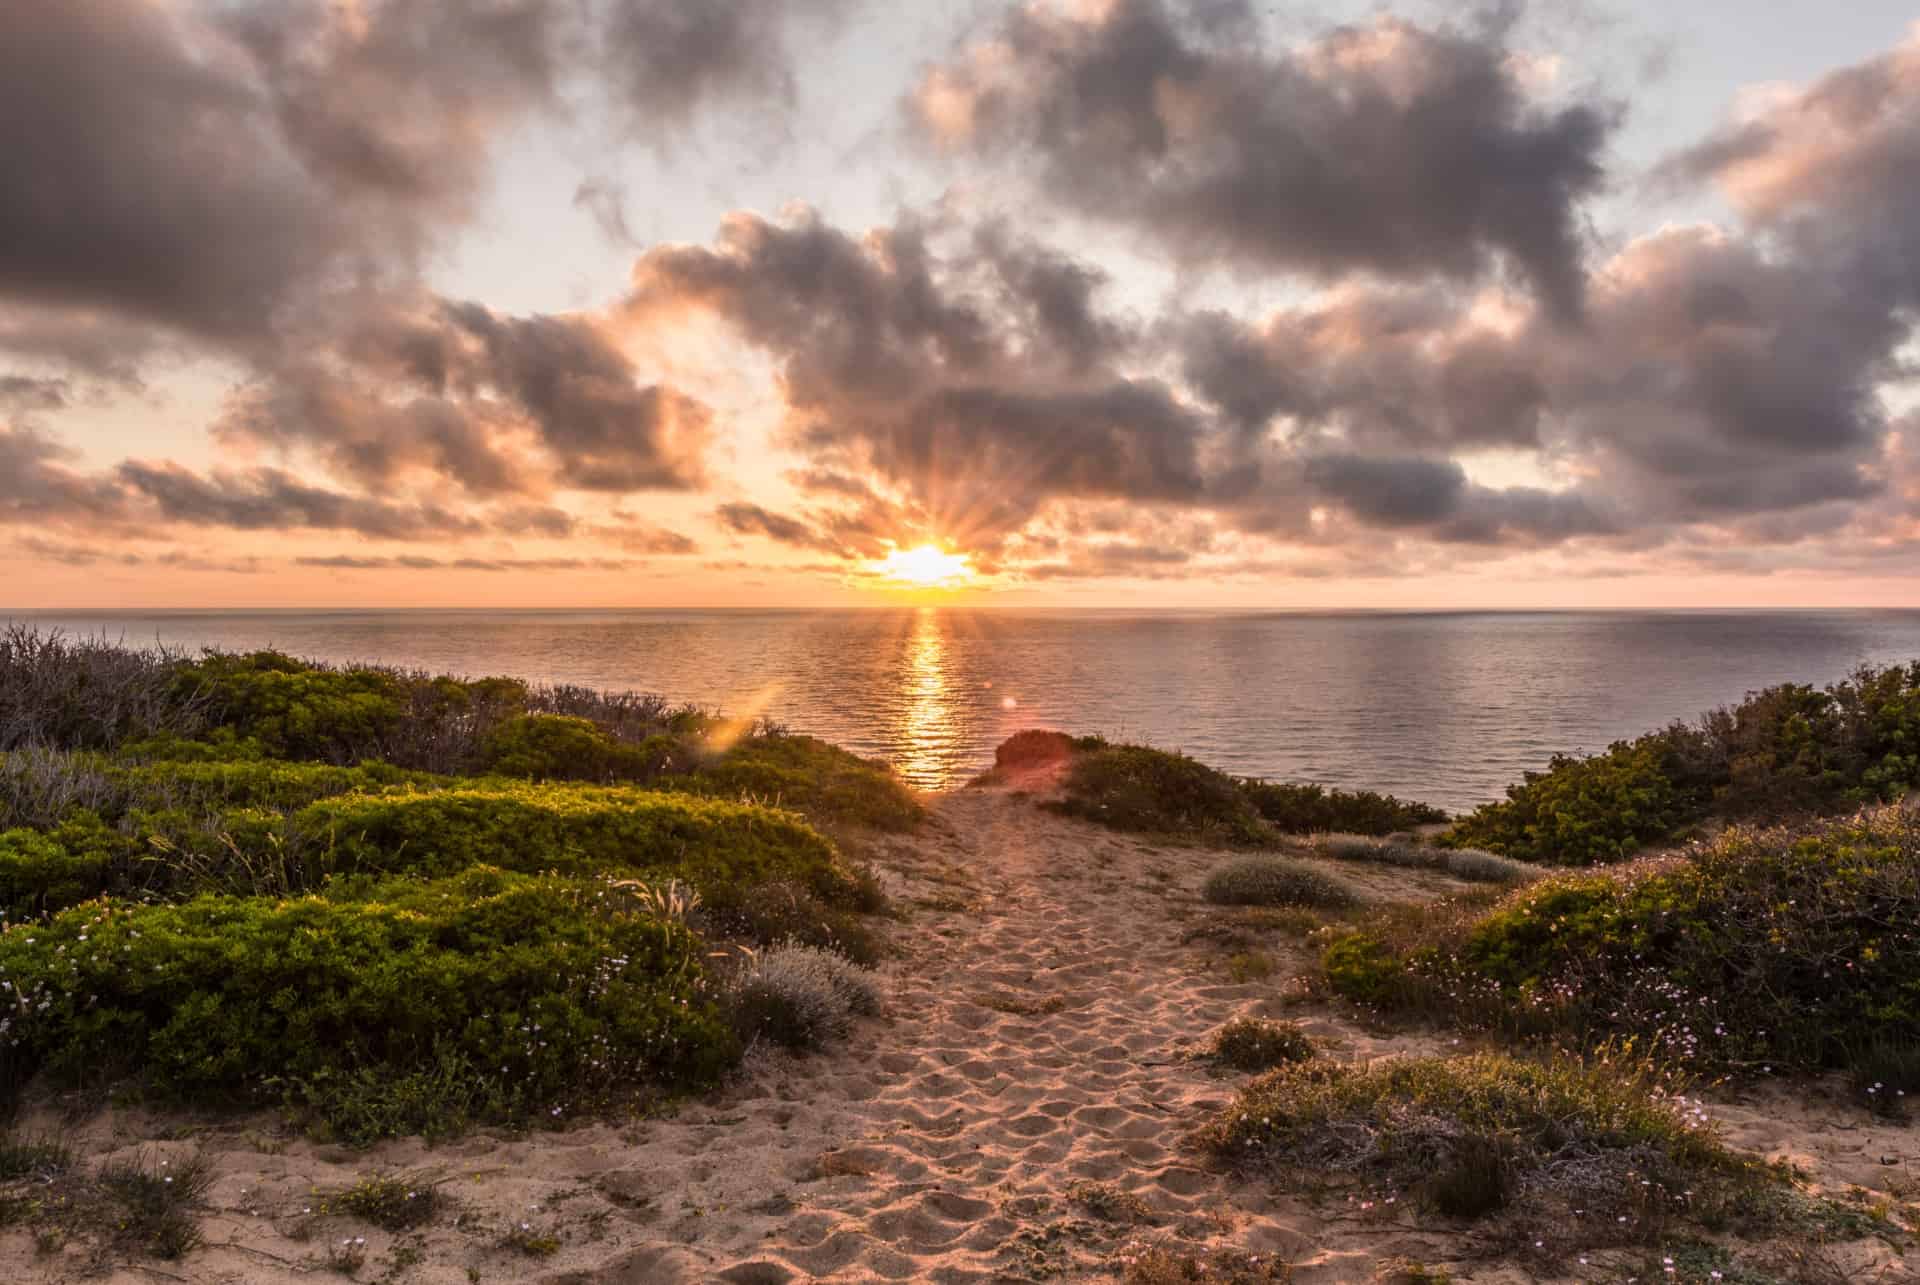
1448	708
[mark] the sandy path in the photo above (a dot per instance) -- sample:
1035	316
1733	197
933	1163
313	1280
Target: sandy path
1033	1037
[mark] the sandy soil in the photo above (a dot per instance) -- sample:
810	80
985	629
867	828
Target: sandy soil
1036	1024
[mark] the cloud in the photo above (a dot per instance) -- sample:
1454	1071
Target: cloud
350	562
668	60
1388	147
499	404
211	171
742	518
978	380
270	499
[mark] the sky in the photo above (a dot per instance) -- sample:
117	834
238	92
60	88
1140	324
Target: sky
1197	303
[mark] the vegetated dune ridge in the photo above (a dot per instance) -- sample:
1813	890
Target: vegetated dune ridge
1019	1111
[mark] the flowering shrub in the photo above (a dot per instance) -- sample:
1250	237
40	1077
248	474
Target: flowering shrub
1790	947
551	988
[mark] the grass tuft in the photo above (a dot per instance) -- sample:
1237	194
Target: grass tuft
1258	1044
389	1203
1275	881
156	1199
800	997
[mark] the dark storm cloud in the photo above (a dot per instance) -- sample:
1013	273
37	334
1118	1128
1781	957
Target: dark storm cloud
1389	147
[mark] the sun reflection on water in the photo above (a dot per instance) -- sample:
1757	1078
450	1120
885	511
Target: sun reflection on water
925	728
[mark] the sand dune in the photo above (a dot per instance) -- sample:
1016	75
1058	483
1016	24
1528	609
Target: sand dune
1018	1113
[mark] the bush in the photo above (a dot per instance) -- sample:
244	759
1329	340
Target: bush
787	913
1310	809
1469	864
1584	811
1130	787
44	788
555	747
1784	752
1274	881
1475	866
1790	947
822	781
719	848
1601	1153
800	997
42	871
1255	1044
59	693
561	985
1034	747
296	710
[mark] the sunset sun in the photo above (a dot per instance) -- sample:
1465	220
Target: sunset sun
926	566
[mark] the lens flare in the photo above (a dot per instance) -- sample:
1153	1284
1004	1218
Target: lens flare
926	567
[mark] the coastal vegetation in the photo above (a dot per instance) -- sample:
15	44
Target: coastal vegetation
1789	751
1794	947
1162	792
1567	1153
393	902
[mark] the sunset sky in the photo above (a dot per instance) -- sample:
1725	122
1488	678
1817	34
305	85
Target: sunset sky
1065	302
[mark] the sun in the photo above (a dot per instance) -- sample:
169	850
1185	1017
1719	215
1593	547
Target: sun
927	567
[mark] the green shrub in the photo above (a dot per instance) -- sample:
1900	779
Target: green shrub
1583	811
1312	809
787	913
554	747
719	848
562	985
1784	752
1275	881
1778	948
1147	791
1594	1155
1256	1044
53	870
294	709
822	781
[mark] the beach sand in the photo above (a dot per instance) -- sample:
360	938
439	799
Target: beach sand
1038	1019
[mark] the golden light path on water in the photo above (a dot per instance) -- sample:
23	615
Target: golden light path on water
926	723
